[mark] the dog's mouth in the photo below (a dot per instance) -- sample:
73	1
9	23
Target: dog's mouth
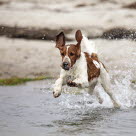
66	68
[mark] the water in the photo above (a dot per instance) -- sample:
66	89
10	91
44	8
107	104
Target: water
30	109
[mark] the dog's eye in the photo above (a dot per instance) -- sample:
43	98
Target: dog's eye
62	54
71	54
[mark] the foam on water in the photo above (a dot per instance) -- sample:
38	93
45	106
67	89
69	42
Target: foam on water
124	94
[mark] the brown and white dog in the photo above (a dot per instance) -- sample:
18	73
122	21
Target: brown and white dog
80	69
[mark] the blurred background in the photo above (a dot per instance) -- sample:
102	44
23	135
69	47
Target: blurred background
27	52
28	29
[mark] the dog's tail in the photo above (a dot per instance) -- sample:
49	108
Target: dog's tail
88	46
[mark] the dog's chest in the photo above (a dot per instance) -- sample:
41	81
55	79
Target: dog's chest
72	74
79	70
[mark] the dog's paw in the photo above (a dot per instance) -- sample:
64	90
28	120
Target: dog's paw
56	94
71	84
57	91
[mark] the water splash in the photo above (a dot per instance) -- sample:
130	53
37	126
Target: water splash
122	89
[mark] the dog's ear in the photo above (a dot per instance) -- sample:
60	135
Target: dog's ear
60	40
78	36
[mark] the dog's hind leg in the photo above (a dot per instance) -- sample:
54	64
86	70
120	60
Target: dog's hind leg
105	82
91	91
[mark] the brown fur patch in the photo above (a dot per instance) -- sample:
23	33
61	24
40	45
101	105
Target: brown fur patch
74	53
63	52
92	70
74	50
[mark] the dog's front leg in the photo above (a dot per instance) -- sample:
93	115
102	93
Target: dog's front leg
58	84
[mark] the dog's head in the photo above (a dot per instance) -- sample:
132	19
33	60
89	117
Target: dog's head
69	53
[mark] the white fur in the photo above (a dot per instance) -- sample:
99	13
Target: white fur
78	73
66	58
96	64
88	46
59	82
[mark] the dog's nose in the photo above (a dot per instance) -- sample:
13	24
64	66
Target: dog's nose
65	64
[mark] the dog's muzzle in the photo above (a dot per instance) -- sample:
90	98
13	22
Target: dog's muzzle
65	65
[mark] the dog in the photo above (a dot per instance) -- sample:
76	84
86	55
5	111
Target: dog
79	68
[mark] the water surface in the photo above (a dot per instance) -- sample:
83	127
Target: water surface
30	109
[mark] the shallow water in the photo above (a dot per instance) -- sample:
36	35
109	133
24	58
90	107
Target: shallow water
30	109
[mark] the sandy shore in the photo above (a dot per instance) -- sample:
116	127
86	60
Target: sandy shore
22	58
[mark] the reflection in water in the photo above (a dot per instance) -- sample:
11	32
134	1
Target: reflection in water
83	123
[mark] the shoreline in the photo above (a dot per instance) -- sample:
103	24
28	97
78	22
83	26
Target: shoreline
33	33
13	81
17	81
